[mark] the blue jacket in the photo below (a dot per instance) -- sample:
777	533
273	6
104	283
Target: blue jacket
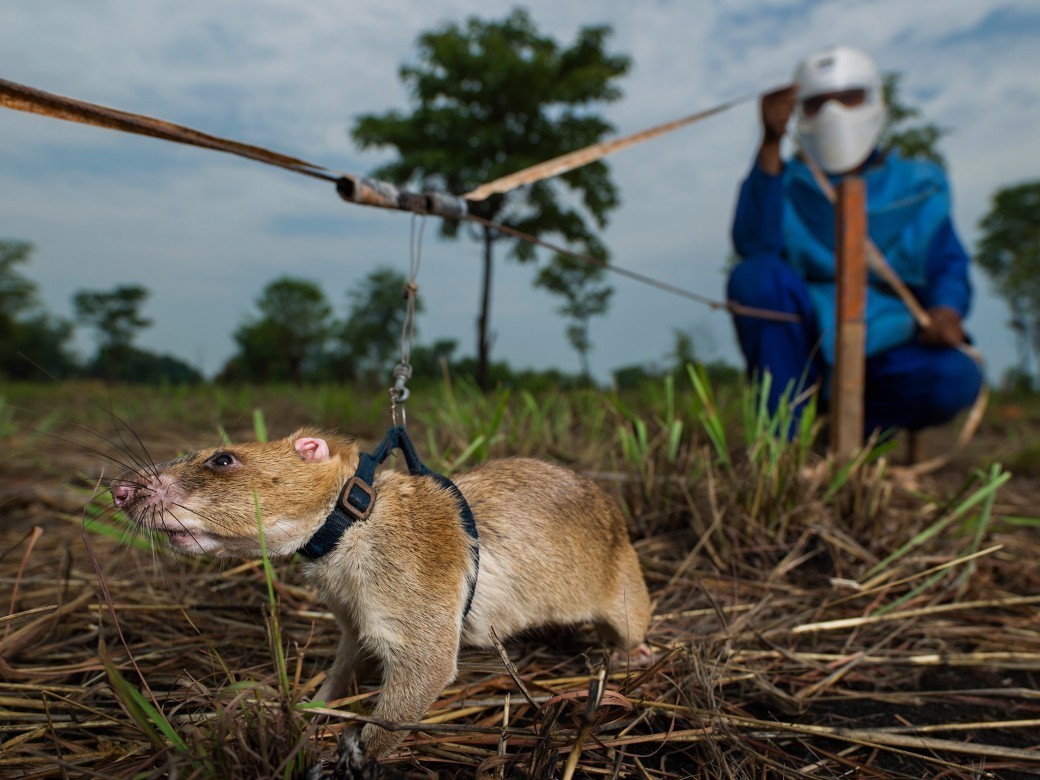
908	217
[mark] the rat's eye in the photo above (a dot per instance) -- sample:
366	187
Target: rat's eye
221	461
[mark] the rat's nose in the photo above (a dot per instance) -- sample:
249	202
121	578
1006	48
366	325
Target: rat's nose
121	494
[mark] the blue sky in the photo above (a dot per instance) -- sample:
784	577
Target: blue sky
205	232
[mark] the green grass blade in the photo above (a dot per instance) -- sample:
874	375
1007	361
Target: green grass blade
941	524
1022	522
474	445
259	426
274	623
150	720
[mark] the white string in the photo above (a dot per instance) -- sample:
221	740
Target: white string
403	371
411	290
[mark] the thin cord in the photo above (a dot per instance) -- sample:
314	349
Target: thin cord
411	290
735	308
23	98
403	371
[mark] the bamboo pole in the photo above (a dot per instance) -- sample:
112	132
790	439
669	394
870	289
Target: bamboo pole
850	360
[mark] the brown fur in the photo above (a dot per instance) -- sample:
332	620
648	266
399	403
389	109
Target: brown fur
553	549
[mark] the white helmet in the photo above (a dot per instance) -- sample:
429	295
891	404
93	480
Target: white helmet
841	127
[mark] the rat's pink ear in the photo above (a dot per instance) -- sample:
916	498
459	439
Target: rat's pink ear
316	450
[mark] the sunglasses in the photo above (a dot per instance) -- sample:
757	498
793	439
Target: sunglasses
848	97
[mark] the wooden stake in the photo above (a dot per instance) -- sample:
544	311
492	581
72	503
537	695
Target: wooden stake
850	359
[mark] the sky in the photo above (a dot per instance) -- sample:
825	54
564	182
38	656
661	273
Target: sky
205	232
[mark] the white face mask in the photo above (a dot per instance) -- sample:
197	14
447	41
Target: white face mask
840	138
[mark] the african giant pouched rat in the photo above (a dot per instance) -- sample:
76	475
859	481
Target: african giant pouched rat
553	549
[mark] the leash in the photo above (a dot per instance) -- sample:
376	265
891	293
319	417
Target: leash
358	496
590	154
399	391
357	189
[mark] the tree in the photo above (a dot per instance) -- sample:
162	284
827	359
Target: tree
114	315
493	97
38	343
919	141
1009	252
116	319
287	339
576	283
17	294
147	368
371	337
429	360
30	339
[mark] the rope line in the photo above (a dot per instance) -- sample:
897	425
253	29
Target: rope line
35	101
356	189
736	308
590	154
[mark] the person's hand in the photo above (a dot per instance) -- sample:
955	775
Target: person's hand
776	108
946	329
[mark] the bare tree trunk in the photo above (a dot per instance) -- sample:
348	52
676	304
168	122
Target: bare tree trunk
583	352
1035	344
483	341
1023	345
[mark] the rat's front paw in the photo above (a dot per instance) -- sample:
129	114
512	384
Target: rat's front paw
639	657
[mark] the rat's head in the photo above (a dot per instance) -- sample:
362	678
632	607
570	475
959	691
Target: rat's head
207	501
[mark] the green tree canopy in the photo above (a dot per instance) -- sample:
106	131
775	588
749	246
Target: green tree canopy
17	293
493	97
30	339
1009	253
584	296
115	315
286	340
912	141
116	319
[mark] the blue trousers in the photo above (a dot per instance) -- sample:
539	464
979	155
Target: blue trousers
911	386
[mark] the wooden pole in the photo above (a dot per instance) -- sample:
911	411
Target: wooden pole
850	358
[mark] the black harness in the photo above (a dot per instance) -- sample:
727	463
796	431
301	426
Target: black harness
357	498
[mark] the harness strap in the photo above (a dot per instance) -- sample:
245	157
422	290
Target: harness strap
358	497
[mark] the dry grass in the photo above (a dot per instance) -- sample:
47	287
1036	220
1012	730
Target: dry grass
800	632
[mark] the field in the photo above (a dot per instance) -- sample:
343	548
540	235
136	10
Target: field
811	619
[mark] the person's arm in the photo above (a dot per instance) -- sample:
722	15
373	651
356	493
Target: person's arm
757	220
775	110
947	294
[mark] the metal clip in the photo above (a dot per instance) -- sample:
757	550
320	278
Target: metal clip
402	373
399	393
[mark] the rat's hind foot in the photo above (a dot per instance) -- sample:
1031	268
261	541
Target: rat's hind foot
351	763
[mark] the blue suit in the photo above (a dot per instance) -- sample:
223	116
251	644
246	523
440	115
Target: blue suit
783	231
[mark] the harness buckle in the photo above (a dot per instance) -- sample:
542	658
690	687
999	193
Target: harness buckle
344	498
